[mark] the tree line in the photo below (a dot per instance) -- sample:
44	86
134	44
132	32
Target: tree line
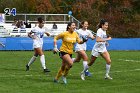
123	15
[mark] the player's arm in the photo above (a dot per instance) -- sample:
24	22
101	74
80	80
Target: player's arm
99	39
91	35
30	34
48	34
59	36
79	41
55	50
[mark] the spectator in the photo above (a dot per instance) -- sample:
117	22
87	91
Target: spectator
27	24
54	26
15	24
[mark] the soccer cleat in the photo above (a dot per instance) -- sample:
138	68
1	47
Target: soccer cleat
82	76
27	67
55	80
108	77
87	73
46	70
64	79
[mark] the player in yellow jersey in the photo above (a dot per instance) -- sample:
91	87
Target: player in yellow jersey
69	38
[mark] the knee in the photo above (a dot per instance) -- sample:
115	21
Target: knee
77	60
70	65
36	55
85	58
109	62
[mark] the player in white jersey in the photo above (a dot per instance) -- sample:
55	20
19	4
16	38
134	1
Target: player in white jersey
37	34
80	49
100	47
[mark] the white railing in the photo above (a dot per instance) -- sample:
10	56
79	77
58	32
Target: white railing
49	18
60	19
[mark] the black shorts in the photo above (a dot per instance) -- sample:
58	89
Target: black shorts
61	54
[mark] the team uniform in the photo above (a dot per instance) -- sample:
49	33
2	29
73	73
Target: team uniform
68	41
38	34
99	47
81	34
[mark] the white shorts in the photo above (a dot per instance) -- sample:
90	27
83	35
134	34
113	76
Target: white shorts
37	45
97	53
79	49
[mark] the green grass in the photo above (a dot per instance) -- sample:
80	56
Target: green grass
125	71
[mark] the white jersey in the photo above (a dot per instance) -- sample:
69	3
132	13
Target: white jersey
82	33
38	34
100	46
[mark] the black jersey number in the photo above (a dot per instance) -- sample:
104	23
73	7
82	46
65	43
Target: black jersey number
7	11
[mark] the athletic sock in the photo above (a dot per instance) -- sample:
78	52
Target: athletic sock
85	66
42	59
73	59
107	69
59	74
66	71
32	60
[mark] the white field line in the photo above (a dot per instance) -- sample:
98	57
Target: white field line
124	71
23	75
128	60
100	72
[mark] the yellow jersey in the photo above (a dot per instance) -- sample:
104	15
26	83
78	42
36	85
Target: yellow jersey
68	41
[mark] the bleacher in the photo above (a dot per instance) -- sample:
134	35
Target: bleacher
3	32
7	30
61	20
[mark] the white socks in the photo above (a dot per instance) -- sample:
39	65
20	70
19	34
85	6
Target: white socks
32	60
107	69
42	59
85	66
73	59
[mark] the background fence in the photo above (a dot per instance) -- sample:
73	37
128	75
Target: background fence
25	43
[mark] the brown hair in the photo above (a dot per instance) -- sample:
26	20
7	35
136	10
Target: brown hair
102	22
69	24
82	23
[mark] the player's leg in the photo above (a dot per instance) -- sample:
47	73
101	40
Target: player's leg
85	64
92	60
32	60
106	56
78	57
85	59
60	72
94	55
42	59
68	60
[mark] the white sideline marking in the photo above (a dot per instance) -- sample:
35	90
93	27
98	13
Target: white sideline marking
101	72
118	71
129	60
126	71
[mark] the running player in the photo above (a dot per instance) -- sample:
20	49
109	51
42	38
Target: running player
37	34
69	38
100	47
80	49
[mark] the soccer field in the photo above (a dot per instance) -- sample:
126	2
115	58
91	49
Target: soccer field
125	71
